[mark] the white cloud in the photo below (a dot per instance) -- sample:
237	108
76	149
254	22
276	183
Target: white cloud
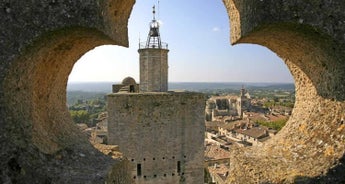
215	29
160	22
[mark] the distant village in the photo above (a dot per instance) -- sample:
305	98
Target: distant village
236	121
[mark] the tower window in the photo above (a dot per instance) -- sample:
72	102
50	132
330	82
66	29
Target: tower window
178	166
139	169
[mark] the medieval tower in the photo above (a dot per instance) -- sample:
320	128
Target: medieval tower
161	133
243	102
153	58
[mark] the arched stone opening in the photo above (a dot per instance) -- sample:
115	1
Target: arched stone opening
39	143
311	144
39	85
35	92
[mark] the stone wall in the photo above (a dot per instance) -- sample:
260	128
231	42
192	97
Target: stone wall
309	36
161	133
153	70
40	41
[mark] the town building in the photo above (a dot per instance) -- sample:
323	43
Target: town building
229	107
217	162
100	132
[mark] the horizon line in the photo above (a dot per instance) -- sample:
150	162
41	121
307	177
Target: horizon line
184	82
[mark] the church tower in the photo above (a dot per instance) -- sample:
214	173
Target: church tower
153	58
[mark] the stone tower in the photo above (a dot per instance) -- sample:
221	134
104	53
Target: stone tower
161	133
153	58
243	102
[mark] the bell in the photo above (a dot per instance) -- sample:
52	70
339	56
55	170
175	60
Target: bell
153	33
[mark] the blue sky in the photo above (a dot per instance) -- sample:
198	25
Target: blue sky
198	35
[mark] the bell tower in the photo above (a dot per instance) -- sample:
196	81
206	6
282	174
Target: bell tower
160	133
153	58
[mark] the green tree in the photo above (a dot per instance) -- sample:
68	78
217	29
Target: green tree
276	125
80	116
276	99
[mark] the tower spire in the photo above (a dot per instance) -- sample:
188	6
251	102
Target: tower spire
154	12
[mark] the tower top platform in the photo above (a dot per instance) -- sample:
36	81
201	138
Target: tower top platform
153	39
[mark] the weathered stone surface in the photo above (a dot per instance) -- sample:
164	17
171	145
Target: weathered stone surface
161	132
153	69
40	41
309	36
